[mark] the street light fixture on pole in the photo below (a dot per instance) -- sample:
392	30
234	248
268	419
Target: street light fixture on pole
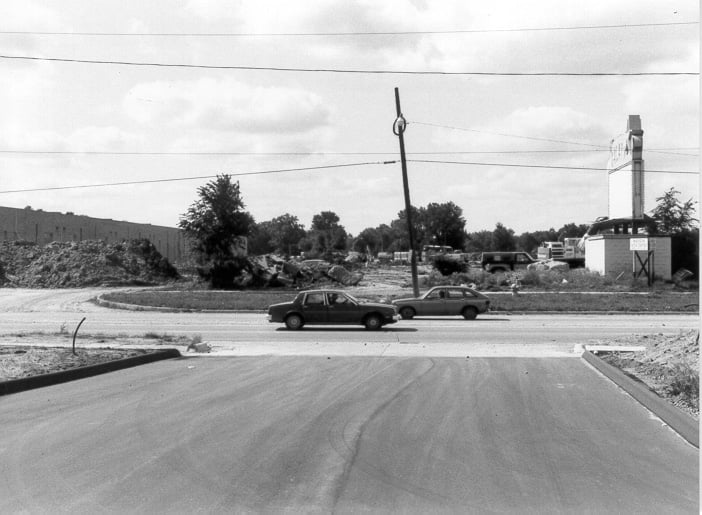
398	129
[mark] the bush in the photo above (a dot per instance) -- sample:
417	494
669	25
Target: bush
223	275
685	382
447	266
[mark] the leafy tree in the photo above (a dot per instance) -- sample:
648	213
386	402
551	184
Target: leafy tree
286	232
216	224
503	238
368	239
326	234
261	238
571	230
480	241
530	241
444	224
672	216
677	219
399	227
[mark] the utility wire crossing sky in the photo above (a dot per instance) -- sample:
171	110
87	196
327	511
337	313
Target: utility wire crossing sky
156	105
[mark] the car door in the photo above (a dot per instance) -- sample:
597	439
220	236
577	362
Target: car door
314	308
342	310
433	303
455	301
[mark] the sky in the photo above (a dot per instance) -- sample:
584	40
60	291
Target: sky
263	91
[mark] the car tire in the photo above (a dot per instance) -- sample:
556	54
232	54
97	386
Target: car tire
373	322
469	313
407	313
294	322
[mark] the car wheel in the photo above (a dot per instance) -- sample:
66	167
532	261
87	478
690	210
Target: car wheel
407	313
373	322
469	313
294	322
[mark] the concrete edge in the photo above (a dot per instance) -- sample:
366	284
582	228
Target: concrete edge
683	424
30	383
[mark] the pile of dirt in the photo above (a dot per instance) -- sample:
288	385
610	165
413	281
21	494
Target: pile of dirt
669	366
83	263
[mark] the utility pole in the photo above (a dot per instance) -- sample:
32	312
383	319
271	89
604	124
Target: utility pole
398	129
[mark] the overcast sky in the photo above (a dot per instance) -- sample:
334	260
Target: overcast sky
72	123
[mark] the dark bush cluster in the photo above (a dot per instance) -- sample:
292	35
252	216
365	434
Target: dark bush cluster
447	266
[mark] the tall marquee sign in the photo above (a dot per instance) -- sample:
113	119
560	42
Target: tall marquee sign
626	169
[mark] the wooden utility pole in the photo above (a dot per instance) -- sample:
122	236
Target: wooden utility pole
399	129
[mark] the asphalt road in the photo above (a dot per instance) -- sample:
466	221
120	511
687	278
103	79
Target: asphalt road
27	311
316	434
493	415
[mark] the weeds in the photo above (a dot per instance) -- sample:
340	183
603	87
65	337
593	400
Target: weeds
684	382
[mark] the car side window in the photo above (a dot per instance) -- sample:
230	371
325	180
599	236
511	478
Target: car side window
455	294
435	295
314	299
337	298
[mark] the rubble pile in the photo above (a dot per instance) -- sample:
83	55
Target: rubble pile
85	263
270	270
137	262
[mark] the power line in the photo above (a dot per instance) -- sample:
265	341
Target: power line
551	167
330	153
327	167
178	179
535	138
340	71
345	34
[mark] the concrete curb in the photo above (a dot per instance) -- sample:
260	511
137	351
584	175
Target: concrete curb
678	420
29	383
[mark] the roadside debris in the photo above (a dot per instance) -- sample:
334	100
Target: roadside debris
274	271
199	347
79	264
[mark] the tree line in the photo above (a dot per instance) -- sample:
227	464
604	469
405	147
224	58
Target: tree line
217	221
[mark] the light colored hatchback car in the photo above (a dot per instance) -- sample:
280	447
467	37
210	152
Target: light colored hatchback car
444	301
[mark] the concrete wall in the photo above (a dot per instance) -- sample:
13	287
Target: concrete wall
609	254
44	227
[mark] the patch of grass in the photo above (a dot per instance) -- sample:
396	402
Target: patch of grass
214	300
577	279
664	301
573	301
684	383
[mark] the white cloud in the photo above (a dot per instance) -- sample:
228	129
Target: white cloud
102	139
227	105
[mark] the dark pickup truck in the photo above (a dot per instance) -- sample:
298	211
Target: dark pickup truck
505	261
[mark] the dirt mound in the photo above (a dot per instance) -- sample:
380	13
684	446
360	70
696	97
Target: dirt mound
80	264
669	366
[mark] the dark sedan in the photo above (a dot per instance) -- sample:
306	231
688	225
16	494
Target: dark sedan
331	307
445	301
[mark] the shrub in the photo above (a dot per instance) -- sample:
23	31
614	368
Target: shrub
447	266
685	382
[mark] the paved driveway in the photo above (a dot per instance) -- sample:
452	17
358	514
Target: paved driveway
417	435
